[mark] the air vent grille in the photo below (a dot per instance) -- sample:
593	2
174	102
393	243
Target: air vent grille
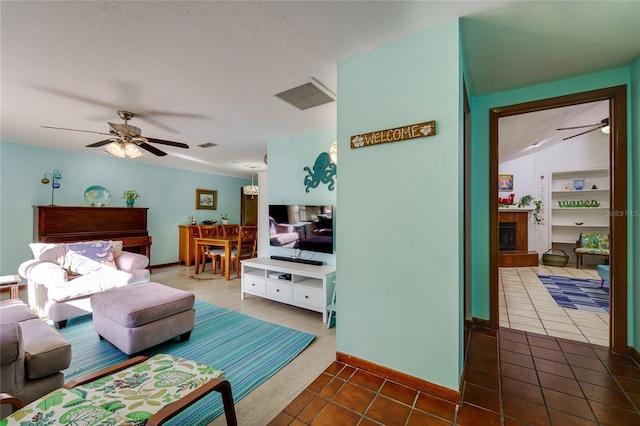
307	95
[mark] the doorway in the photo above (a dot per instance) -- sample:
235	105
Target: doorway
248	209
618	200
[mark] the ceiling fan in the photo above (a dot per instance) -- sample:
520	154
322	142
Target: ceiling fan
125	138
603	123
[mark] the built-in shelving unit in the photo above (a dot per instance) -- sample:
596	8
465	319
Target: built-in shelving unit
569	221
306	286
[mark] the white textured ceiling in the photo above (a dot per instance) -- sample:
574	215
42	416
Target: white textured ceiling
205	71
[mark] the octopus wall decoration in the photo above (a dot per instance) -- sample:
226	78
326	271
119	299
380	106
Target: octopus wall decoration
323	171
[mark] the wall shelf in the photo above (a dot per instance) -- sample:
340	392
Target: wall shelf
563	229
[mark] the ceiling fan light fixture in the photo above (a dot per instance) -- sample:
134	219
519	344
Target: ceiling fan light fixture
123	150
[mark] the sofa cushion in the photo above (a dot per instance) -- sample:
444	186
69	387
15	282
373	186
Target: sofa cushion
47	252
15	310
85	257
46	351
11	338
84	285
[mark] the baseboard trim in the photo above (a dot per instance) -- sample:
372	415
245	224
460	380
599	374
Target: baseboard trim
164	265
402	378
634	354
479	322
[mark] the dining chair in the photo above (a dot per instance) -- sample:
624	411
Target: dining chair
230	230
245	248
209	251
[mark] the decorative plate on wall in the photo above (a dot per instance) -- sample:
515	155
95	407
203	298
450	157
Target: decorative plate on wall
97	196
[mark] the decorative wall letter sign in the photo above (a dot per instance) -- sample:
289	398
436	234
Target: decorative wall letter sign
323	171
412	131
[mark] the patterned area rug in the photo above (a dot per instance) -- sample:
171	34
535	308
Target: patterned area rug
577	293
248	350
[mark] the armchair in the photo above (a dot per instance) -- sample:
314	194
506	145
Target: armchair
32	356
62	277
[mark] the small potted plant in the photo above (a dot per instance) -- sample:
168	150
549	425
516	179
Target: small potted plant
130	195
225	218
525	200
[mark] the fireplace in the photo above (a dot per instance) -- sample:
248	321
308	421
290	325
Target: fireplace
513	239
508	236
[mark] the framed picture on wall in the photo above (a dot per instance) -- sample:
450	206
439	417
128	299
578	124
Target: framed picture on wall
505	182
206	199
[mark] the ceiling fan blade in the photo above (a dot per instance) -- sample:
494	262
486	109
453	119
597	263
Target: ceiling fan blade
101	143
170	143
578	127
579	134
76	130
152	149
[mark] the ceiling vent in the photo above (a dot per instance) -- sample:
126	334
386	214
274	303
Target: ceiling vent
308	95
208	145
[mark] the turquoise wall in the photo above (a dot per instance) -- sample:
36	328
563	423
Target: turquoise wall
635	203
286	175
480	108
168	193
399	233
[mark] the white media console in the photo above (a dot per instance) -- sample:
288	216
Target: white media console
306	286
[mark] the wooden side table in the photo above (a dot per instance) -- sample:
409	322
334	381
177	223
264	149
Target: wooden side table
12	281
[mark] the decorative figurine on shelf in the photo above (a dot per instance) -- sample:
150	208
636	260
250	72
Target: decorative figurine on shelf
594	187
507	201
55	176
578	184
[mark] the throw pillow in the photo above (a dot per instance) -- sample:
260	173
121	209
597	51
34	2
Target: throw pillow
86	257
48	252
595	241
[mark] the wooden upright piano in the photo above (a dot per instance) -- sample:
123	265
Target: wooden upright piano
67	224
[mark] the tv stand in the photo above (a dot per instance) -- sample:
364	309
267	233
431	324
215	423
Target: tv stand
298	284
298	260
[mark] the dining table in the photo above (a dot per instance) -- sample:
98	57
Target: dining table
228	243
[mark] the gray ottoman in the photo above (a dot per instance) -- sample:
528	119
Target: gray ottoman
136	317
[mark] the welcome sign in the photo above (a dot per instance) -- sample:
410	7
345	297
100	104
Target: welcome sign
411	131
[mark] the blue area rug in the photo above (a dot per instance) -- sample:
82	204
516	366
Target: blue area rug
248	350
577	293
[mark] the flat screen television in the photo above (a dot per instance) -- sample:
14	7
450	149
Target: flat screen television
301	227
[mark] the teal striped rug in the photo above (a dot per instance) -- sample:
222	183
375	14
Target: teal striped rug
248	350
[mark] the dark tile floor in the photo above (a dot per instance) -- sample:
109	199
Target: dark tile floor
512	378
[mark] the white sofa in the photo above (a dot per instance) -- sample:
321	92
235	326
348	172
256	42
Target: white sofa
62	277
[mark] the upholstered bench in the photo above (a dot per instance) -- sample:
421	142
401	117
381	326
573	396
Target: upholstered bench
134	318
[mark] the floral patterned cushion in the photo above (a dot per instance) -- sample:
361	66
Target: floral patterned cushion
63	407
594	241
128	397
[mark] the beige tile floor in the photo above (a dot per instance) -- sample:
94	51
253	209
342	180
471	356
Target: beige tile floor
526	305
